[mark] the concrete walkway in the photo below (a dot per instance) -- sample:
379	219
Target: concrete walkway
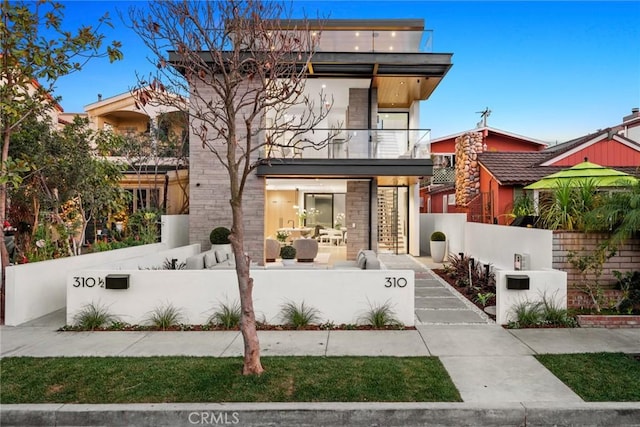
492	367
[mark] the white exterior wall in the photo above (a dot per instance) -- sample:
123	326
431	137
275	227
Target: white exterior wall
342	296
452	225
175	230
39	288
550	284
414	220
498	243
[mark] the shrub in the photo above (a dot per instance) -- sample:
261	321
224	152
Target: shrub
438	236
554	315
380	315
629	284
288	252
299	316
165	316
220	236
484	298
226	315
540	313
93	316
527	314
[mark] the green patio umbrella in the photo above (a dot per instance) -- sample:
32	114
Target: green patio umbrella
581	173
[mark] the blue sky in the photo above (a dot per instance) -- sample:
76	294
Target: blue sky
547	70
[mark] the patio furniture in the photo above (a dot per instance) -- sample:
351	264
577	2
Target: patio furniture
306	249
335	237
271	250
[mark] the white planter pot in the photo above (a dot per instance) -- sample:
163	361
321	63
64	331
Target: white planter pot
438	250
288	261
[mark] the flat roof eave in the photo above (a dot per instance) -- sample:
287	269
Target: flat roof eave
345	168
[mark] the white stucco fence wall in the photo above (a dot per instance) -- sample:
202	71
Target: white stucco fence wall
36	289
39	288
156	260
175	230
452	225
550	284
496	244
341	296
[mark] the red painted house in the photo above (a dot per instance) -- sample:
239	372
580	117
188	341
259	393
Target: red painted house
438	196
502	175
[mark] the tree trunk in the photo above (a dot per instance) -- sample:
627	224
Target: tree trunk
252	365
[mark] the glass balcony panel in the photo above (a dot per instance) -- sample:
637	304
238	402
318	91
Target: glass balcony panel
348	144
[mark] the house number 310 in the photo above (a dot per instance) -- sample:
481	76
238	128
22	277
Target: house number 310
87	282
395	282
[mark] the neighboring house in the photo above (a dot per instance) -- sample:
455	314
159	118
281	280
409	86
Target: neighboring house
630	126
367	178
438	195
156	180
503	175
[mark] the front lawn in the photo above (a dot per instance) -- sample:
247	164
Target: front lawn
597	377
205	379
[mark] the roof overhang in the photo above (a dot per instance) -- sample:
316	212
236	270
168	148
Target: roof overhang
401	78
345	168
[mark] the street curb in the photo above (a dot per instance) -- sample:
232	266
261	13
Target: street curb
325	414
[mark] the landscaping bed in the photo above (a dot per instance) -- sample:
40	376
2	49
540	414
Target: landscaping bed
259	326
471	293
206	379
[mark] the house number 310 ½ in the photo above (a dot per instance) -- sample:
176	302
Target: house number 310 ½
87	282
395	282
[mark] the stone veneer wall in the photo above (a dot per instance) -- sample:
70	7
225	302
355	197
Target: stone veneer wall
467	179
357	212
358	108
209	199
627	258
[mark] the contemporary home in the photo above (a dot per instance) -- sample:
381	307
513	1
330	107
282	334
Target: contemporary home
365	181
155	179
438	195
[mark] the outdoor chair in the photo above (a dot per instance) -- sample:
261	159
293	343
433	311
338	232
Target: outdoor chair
271	250
306	249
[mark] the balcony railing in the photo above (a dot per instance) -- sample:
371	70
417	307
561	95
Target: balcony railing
349	144
443	175
375	41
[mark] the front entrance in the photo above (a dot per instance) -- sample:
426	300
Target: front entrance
393	214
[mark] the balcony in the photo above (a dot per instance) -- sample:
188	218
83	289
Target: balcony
443	175
360	40
348	144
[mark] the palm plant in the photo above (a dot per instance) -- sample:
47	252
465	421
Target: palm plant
618	212
560	212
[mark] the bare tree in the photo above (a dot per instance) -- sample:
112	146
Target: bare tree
238	61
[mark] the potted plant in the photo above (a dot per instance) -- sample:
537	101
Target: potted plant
288	255
438	246
219	238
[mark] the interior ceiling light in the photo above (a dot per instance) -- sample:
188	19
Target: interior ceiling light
390	47
357	48
393	34
357	34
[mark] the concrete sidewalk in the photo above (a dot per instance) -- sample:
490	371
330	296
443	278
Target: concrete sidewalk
499	379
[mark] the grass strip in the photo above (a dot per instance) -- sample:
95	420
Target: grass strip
206	379
597	377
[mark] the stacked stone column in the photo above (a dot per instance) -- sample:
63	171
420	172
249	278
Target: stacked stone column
467	180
